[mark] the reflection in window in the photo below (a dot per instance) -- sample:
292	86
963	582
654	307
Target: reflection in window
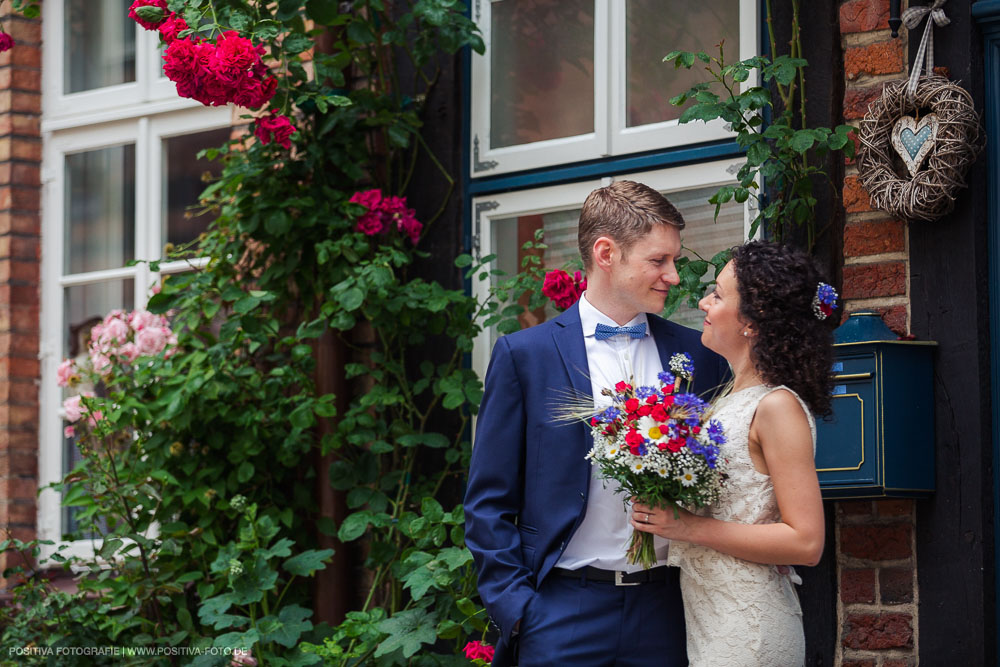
99	229
702	236
99	46
183	183
542	68
692	26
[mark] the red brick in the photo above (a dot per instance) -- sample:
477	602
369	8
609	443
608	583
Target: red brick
856	199
874	237
876	541
878	631
18	462
865	281
24	56
877	58
858	663
18	271
19	223
857	586
18	197
20	78
24	31
894	507
857	101
18	487
18	514
20	367
896	585
864	15
14	415
899	662
855	507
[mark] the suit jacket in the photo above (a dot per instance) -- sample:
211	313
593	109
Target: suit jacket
528	478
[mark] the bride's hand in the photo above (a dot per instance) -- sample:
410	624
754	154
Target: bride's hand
662	522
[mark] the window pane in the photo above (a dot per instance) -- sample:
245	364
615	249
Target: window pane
542	70
86	305
702	236
99	209
99	44
184	183
692	26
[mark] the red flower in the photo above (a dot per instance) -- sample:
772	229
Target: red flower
652	399
6	42
659	413
147	23
171	27
633	438
622	387
644	410
229	71
276	127
479	651
405	218
368	198
370	224
668	401
564	290
632	404
675	444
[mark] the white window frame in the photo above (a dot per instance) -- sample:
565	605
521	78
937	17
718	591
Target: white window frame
150	93
611	136
487	208
147	131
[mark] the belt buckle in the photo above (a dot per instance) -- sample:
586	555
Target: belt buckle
620	582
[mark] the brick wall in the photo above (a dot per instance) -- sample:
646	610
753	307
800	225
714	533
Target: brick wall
20	250
876	552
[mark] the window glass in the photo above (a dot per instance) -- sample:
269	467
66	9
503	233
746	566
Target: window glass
542	64
657	27
183	182
99	46
85	305
702	236
99	229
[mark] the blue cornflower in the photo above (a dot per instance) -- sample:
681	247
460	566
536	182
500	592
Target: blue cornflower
666	378
642	449
609	415
715	433
692	421
690	401
645	392
695	446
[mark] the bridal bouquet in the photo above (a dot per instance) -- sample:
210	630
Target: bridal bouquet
660	446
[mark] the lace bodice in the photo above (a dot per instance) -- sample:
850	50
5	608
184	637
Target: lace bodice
738	613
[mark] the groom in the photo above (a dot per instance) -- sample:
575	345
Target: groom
548	535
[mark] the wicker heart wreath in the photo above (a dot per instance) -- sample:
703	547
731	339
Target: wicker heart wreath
930	192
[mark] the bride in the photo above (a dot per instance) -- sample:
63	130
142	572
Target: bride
766	318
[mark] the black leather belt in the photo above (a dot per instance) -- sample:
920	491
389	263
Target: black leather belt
617	577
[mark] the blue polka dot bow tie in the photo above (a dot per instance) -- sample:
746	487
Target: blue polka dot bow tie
604	332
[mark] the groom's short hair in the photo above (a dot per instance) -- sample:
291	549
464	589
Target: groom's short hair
624	211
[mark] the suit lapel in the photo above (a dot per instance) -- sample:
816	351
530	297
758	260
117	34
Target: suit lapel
568	337
666	344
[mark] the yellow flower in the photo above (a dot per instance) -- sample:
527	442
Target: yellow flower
654	433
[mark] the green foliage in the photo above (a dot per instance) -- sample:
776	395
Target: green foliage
782	158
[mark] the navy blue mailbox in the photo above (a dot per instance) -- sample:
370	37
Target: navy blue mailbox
879	441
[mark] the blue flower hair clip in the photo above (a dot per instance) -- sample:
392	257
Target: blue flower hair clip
825	301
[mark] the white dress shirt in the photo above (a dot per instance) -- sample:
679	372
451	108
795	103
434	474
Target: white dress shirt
603	536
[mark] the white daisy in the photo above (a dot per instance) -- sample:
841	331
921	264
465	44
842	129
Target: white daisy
687	477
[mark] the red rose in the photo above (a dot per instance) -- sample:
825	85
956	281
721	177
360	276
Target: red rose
622	387
632	404
171	27
634	439
644	410
675	444
275	126
668	401
6	42
559	286
652	399
659	413
150	22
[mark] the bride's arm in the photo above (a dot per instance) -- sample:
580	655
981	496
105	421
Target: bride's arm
782	429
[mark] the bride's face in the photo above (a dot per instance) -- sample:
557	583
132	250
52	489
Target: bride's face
723	331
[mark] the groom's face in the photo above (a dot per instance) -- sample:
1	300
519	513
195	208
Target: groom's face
642	276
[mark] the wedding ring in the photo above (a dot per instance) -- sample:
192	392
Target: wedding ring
646	520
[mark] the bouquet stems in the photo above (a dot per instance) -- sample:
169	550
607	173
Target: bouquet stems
640	547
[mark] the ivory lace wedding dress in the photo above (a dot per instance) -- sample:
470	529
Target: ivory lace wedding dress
738	613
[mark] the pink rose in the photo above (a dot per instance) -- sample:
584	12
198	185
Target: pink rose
115	331
99	362
73	408
149	24
151	340
141	319
94	417
370	199
66	370
130	351
370	224
561	288
6	42
69	432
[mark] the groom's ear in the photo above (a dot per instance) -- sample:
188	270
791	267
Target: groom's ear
604	252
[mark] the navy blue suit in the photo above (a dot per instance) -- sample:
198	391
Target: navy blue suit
528	478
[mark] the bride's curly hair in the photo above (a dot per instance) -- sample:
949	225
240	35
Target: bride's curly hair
776	284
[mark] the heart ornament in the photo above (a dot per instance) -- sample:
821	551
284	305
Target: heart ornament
914	141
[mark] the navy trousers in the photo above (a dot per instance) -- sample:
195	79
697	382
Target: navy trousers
575	622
